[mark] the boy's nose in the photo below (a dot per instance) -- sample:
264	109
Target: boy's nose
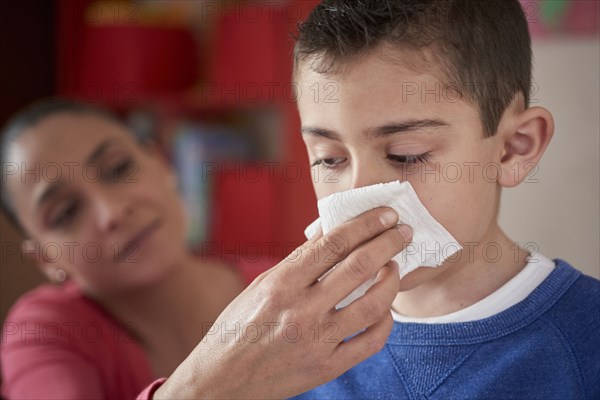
366	176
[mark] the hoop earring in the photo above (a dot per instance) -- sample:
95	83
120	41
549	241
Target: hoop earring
59	276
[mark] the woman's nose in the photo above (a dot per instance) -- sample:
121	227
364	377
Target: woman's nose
111	209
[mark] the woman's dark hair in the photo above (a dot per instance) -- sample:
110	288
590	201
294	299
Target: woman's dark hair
28	118
484	47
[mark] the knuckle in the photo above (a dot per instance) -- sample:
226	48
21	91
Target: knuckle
374	307
376	344
372	225
360	265
398	240
386	325
260	278
335	245
325	367
297	255
273	293
288	318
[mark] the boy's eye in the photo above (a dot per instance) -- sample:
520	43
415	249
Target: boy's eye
65	215
409	159
329	163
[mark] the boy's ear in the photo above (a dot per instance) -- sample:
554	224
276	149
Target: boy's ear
525	144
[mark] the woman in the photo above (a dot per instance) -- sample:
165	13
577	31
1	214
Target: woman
102	215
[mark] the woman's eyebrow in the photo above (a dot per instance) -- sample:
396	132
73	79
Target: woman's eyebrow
51	189
393	128
48	192
99	150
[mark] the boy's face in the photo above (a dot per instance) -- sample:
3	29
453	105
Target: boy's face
378	121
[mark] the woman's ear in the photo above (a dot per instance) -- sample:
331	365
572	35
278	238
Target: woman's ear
524	144
33	250
153	147
156	151
172	181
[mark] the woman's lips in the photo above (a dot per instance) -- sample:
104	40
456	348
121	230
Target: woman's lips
131	247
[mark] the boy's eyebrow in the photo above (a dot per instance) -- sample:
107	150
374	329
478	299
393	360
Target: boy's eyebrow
405	127
384	130
326	133
50	190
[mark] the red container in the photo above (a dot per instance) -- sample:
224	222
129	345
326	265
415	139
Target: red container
122	63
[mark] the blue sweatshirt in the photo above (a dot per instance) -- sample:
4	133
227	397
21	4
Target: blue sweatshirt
545	347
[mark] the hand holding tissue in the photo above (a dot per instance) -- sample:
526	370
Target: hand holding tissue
432	244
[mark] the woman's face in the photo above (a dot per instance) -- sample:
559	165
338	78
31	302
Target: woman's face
95	203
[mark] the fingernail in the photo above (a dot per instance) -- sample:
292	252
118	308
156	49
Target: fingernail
388	218
406	231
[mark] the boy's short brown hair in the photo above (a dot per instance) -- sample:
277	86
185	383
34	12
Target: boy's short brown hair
483	47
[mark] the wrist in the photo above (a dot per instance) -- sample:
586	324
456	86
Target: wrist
182	384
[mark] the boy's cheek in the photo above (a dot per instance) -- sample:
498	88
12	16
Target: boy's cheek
327	182
323	189
464	209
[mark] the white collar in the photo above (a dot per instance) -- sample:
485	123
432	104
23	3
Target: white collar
512	292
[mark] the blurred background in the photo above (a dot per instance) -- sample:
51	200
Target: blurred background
210	81
556	210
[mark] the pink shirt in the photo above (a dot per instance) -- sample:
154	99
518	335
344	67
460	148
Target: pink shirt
55	335
58	344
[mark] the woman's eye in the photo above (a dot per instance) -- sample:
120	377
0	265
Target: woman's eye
64	216
409	159
120	170
329	163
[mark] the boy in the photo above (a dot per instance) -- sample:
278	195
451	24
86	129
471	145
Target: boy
436	93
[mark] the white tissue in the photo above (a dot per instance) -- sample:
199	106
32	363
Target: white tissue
431	244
